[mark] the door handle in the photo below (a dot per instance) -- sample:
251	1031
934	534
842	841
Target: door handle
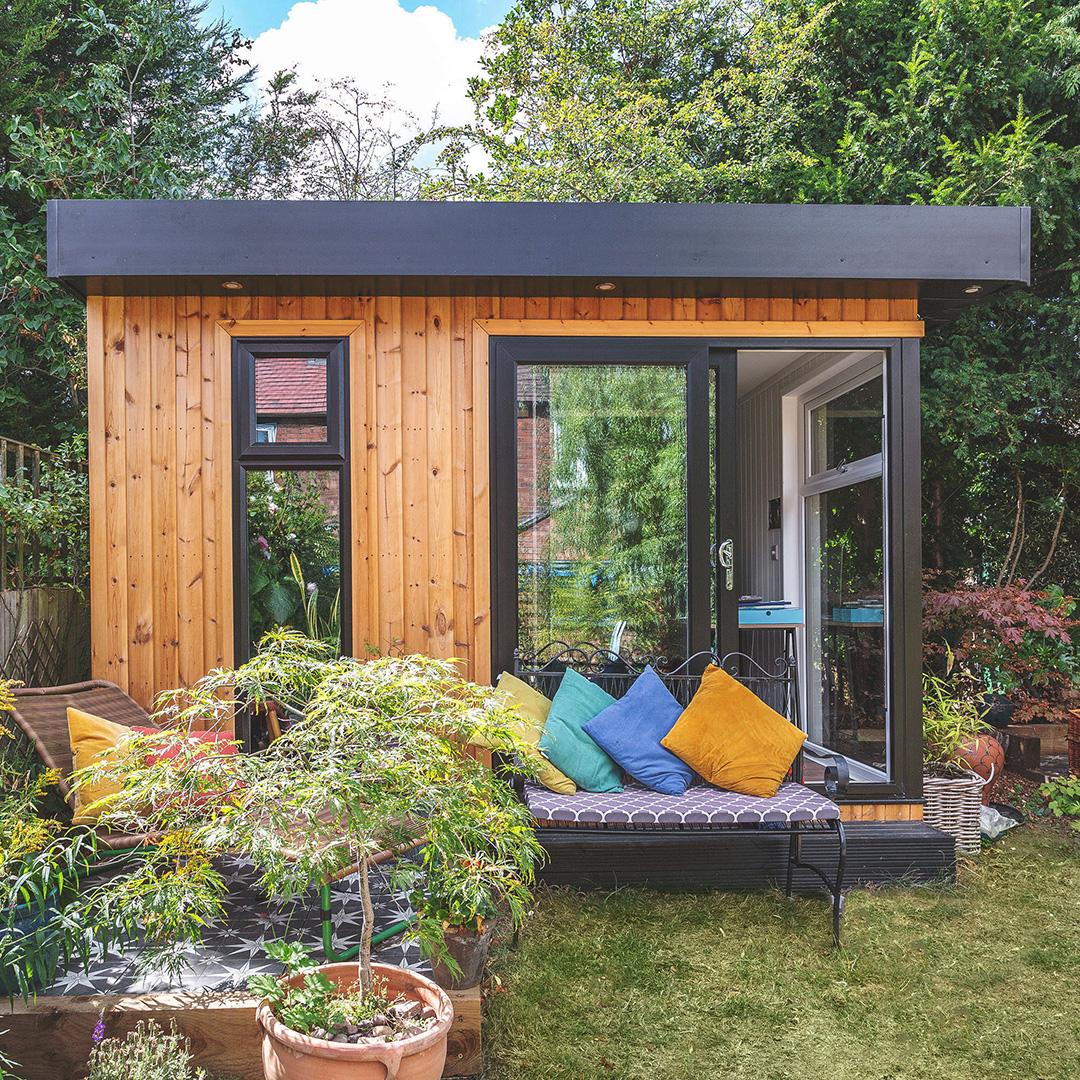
726	552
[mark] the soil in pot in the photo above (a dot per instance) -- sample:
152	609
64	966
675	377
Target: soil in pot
469	950
393	1055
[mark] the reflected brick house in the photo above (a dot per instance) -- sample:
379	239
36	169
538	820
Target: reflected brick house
290	406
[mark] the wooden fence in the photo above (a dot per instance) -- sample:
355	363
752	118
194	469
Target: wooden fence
44	627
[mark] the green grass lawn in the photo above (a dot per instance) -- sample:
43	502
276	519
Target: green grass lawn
980	980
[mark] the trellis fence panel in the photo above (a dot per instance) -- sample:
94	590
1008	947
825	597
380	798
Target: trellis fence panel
44	629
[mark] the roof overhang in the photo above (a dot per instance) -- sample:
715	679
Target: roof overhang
946	249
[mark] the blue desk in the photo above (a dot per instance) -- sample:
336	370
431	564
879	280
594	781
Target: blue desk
777	618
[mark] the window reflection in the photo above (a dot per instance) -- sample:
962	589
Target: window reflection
290	398
848	428
294	553
601	496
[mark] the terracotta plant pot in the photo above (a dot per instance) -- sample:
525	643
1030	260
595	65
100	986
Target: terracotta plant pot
985	757
469	950
288	1055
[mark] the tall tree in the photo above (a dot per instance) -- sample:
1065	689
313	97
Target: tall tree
120	99
970	102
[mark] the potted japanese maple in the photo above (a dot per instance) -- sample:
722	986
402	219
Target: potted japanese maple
374	760
459	898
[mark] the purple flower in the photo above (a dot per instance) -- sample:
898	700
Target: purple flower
263	545
99	1028
311	588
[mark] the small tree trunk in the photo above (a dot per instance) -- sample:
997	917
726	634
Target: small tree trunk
369	920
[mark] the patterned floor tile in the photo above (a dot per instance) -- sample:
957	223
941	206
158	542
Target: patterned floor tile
230	954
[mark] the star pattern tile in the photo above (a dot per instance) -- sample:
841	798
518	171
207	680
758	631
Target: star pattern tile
233	950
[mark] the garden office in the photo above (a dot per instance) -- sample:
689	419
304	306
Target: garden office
498	427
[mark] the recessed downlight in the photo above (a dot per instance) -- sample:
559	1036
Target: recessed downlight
232	286
606	286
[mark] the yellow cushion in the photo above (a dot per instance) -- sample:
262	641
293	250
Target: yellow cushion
733	739
532	707
90	737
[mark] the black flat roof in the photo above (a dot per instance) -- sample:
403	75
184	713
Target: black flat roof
945	248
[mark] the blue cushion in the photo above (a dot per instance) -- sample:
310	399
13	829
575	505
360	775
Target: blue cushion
630	730
566	745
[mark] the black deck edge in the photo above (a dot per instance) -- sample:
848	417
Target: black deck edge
878	853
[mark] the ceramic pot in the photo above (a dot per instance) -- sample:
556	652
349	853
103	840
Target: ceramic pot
469	950
288	1055
984	756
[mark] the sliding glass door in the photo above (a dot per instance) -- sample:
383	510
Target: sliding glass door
603	502
846	588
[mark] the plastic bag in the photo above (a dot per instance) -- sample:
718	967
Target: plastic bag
992	823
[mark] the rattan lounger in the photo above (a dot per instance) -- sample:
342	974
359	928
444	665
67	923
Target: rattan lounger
41	713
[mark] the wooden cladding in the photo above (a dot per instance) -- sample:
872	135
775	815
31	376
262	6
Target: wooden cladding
161	457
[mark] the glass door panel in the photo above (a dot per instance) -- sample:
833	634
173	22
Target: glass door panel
846	625
602	507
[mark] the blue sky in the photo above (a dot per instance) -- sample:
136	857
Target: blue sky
255	16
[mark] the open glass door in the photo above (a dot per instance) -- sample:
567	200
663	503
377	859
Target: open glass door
604	487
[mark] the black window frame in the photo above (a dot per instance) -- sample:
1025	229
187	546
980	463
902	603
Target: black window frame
902	467
246	351
332	456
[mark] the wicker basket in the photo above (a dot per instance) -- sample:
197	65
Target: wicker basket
1074	742
952	805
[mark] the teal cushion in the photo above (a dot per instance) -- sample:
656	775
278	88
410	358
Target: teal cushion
567	746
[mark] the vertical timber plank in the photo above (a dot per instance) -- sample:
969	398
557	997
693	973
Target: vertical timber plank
659	307
413	524
189	600
462	420
488	305
440	472
216	473
163	490
98	481
140	544
388	411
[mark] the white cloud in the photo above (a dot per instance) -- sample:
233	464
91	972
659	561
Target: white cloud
375	43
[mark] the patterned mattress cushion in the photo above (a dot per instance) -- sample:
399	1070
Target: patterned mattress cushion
701	804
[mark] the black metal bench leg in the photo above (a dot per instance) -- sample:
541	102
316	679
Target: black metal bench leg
792	859
838	886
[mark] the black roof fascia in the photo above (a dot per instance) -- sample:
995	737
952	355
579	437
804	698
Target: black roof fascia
192	238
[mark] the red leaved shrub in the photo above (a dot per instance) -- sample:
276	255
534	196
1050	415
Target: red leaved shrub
1007	639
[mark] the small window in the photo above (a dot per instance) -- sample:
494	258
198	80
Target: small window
292	391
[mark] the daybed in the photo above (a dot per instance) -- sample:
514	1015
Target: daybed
638	815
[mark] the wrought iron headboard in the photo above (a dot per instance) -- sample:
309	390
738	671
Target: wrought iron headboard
615	672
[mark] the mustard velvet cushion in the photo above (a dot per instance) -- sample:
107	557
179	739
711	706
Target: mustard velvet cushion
733	739
90	737
533	708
